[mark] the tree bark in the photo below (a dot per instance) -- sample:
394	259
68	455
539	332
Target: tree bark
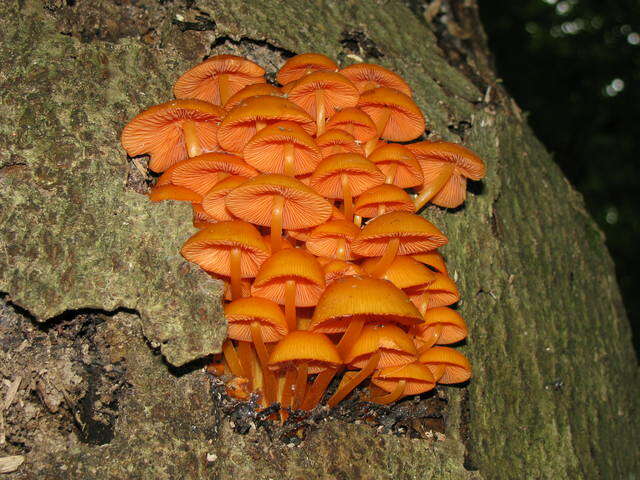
555	388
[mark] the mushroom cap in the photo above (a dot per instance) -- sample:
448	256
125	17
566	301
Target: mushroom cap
404	272
158	131
390	196
211	248
405	122
303	346
245	287
369	299
417	376
442	292
336	141
201	219
301	65
174	192
201	81
203	172
290	264
325	239
337	92
433	260
366	76
303	207
335	269
239	126
454	328
362	174
457	366
416	235
302	234
408	173
395	346
214	202
266	149
252	91
355	122
243	312
433	156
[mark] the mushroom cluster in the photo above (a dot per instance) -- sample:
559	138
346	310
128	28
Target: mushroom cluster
305	197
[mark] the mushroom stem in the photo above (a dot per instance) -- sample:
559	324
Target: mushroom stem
361	376
393	396
289	157
191	140
357	219
432	340
285	399
387	259
276	223
236	271
431	189
391	174
269	379
244	354
320	112
348	200
290	304
301	385
232	359
350	336
341	251
224	88
320	384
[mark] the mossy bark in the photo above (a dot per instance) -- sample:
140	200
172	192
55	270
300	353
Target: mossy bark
555	389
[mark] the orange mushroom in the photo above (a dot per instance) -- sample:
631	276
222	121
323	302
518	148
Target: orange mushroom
333	239
302	234
290	277
379	346
284	148
201	219
398	164
404	272
354	122
367	76
335	269
382	199
433	260
445	168
351	302
301	65
173	131
204	171
411	379
439	293
253	114
173	192
252	91
396	116
216	79
214	202
299	354
396	233
447	365
321	93
344	176
336	141
260	321
441	326
279	202
234	249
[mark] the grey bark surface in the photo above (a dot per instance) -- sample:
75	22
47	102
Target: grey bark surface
555	392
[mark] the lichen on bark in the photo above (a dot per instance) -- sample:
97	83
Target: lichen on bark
555	389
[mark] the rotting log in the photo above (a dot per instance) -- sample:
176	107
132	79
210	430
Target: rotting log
555	392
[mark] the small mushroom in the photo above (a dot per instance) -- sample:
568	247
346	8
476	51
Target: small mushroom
446	364
354	122
301	65
367	76
441	326
333	239
411	379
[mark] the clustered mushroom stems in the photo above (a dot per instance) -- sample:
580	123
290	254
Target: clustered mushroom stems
305	196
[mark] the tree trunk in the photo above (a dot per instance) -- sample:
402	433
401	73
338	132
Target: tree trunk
554	393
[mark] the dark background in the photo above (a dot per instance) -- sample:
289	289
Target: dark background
574	66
